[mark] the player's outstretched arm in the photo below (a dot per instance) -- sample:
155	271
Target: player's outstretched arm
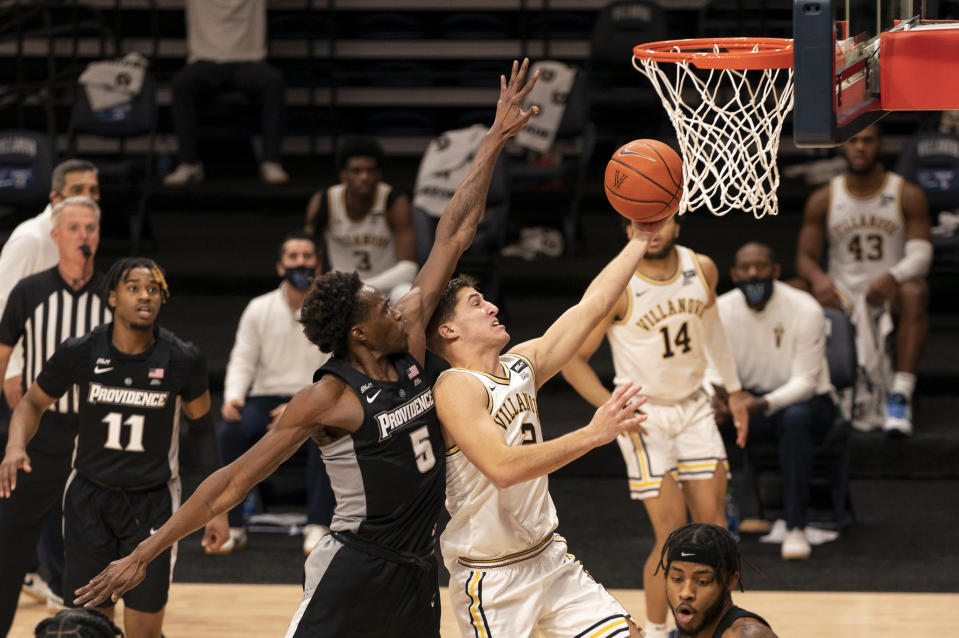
461	407
220	491
460	218
24	423
561	340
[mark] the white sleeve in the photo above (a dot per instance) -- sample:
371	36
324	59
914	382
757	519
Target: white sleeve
717	347
807	363
402	272
16	262
915	262
244	356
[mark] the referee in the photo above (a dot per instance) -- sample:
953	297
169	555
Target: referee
134	378
46	309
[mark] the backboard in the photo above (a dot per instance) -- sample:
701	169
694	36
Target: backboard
837	64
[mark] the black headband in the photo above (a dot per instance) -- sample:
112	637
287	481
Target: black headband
693	555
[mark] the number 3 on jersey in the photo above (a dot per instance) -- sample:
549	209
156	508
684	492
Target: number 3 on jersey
422	450
115	423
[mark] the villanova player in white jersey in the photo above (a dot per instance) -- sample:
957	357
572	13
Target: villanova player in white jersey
660	330
365	225
875	228
510	574
372	414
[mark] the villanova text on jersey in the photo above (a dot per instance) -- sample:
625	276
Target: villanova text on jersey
679	305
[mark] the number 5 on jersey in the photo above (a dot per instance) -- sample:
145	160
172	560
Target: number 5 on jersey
422	449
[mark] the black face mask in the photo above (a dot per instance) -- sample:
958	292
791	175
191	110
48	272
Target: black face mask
300	277
757	291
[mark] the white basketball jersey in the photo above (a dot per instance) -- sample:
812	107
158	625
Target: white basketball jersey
364	245
659	343
866	236
487	522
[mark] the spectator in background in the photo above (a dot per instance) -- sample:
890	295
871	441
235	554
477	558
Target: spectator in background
875	228
53	305
272	359
778	337
365	225
226	45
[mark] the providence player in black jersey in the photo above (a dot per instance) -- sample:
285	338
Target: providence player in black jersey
133	378
703	565
371	412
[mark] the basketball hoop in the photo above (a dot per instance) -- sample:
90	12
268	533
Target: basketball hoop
727	99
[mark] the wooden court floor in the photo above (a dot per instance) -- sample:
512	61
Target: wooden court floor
257	611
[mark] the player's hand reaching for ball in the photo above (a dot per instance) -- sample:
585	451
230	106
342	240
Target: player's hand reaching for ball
647	230
15	459
119	577
510	116
619	414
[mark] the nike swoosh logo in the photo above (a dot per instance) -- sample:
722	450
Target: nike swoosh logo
153	531
641	293
626	151
372	397
685	554
99	370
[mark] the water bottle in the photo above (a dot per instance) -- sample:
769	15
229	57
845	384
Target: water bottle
732	514
249	507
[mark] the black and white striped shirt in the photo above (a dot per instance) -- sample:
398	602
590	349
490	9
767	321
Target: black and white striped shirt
46	311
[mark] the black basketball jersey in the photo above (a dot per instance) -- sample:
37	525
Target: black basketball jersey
129	404
389	476
733	614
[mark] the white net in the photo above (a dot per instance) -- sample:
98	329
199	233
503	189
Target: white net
728	122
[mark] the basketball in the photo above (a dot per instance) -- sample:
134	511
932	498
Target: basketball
644	180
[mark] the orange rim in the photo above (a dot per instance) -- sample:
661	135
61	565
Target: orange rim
734	53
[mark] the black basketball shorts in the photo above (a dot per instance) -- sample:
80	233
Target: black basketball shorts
102	524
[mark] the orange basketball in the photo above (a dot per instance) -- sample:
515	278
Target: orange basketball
644	180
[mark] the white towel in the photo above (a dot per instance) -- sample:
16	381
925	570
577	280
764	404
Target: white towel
874	375
110	83
444	165
549	94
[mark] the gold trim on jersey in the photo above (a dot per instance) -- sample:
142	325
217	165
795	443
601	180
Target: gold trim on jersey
865	198
673	277
629	307
702	275
503	561
476	605
618	624
450	451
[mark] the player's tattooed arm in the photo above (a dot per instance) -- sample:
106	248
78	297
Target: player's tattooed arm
462	214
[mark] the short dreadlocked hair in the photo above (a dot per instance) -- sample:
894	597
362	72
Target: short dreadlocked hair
78	622
709	538
445	307
330	309
122	267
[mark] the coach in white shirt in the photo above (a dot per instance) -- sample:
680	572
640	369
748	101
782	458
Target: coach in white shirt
270	361
778	336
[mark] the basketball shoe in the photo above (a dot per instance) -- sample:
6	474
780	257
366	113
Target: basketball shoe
185	173
795	545
898	422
